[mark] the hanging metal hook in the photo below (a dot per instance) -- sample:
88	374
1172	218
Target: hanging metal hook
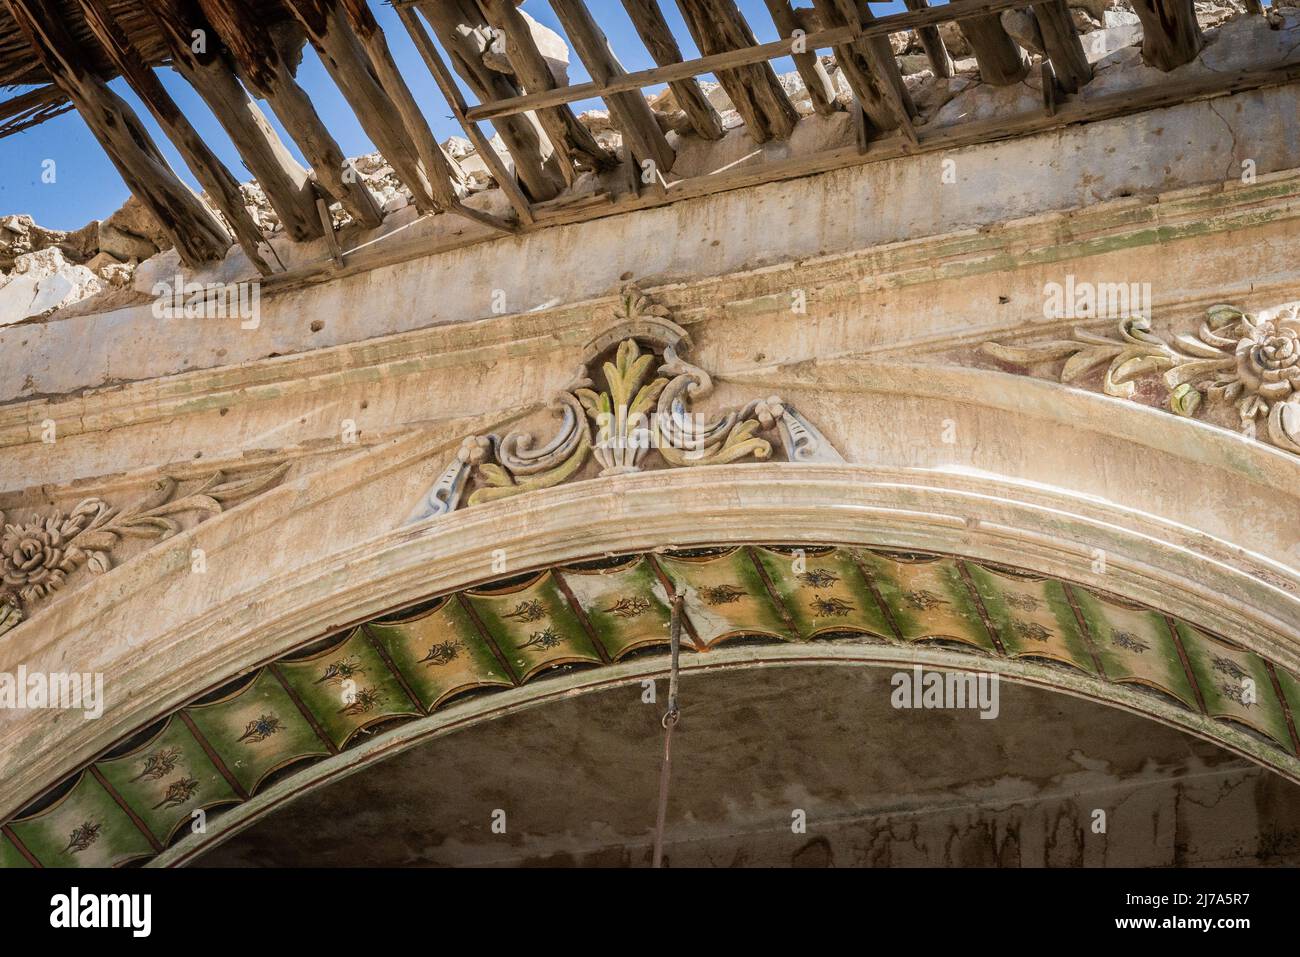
669	721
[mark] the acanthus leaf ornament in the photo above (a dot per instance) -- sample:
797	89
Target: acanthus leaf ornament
1250	361
36	557
644	403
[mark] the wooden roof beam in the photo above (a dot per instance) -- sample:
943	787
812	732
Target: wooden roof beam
32	108
1001	62
198	236
221	186
573	141
818	83
717	27
869	66
758	53
357	77
658	38
447	178
932	43
642	137
1063	46
268	72
463	33
282	179
447	85
1170	34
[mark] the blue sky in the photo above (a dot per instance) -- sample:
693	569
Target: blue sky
87	185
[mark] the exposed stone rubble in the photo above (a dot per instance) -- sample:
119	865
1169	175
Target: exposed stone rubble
42	270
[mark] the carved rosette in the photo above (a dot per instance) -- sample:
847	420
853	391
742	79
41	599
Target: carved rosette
37	556
645	404
1250	361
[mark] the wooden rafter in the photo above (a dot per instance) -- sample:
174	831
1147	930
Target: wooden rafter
629	111
821	90
282	179
869	66
658	38
449	89
464	33
1001	62
932	43
757	95
827	38
360	80
198	236
32	108
268	70
1170	34
1063	46
573	141
221	186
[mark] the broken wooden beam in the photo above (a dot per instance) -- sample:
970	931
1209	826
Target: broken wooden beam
658	38
1170	34
869	67
831	37
350	68
573	141
818	83
197	235
266	63
221	186
464	33
1062	44
932	43
197	55
1000	60
642	137
756	94
32	108
447	179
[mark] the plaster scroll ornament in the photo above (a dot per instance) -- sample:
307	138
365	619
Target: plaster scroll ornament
642	403
1250	361
37	556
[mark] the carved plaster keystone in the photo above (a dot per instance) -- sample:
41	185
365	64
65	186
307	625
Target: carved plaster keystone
638	410
1252	361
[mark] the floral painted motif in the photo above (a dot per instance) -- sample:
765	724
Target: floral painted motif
831	607
1129	642
342	669
546	639
1021	602
363	702
1226	666
818	578
721	594
629	607
261	728
1030	630
923	600
83	836
178	792
442	653
527	611
159	764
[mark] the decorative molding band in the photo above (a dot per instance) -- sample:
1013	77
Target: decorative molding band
250	742
1057	236
1250	361
631	415
37	557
